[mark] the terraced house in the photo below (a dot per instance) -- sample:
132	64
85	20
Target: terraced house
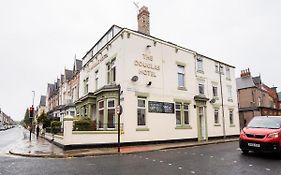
168	92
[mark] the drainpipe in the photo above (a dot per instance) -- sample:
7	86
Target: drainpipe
222	104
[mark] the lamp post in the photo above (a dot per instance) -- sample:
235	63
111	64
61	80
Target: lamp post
119	111
222	103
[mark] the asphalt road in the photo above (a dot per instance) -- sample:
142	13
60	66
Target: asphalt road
219	159
10	137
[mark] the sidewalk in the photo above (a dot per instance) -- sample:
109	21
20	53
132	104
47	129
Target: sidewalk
43	148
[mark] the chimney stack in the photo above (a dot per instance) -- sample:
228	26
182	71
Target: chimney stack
245	73
143	20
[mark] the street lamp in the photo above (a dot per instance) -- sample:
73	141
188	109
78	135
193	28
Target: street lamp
222	104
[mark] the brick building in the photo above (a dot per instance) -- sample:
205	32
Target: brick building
255	98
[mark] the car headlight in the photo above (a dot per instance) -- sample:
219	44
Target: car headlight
273	135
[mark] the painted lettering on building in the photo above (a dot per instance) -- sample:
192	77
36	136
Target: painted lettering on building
146	66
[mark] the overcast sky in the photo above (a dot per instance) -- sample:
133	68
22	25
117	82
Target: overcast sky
39	38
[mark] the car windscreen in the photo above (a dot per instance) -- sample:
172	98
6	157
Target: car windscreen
265	122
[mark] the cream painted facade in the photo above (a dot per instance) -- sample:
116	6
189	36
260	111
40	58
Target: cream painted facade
147	68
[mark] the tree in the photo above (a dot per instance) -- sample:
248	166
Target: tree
26	119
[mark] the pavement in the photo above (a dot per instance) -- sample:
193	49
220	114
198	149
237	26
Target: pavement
40	147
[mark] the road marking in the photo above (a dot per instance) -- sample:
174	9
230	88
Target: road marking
235	161
192	172
180	168
147	158
250	165
212	156
154	160
222	158
161	161
91	164
267	169
201	154
170	164
238	149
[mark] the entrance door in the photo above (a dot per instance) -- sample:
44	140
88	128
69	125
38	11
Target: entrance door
201	124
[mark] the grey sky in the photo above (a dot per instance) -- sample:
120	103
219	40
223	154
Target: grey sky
38	39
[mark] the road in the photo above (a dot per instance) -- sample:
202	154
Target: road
219	159
10	137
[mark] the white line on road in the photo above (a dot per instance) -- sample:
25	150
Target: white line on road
180	168
161	161
267	169
250	165
192	172
235	161
170	164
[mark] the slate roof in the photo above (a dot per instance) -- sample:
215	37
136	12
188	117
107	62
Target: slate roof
78	64
245	82
279	96
257	80
68	74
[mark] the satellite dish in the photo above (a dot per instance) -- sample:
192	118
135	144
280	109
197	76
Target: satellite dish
213	100
135	78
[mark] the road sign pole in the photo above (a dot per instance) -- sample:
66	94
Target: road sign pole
118	116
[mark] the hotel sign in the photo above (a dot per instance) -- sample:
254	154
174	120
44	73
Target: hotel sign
146	66
161	107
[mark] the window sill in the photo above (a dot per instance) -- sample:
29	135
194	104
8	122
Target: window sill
142	129
217	125
183	127
232	126
182	88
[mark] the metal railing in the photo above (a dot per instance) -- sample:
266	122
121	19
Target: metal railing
100	127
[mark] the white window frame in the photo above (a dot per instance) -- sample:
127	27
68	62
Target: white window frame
215	87
110	108
216	112
202	85
231	121
178	110
229	93
96	79
199	65
227	73
143	108
101	109
181	71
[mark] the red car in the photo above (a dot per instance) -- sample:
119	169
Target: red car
262	134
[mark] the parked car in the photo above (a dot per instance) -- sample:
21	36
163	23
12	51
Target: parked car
262	134
2	128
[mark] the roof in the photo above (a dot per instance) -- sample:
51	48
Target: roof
42	100
257	80
68	74
77	65
245	82
167	42
279	96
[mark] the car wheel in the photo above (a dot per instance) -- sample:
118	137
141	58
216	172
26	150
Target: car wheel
245	151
